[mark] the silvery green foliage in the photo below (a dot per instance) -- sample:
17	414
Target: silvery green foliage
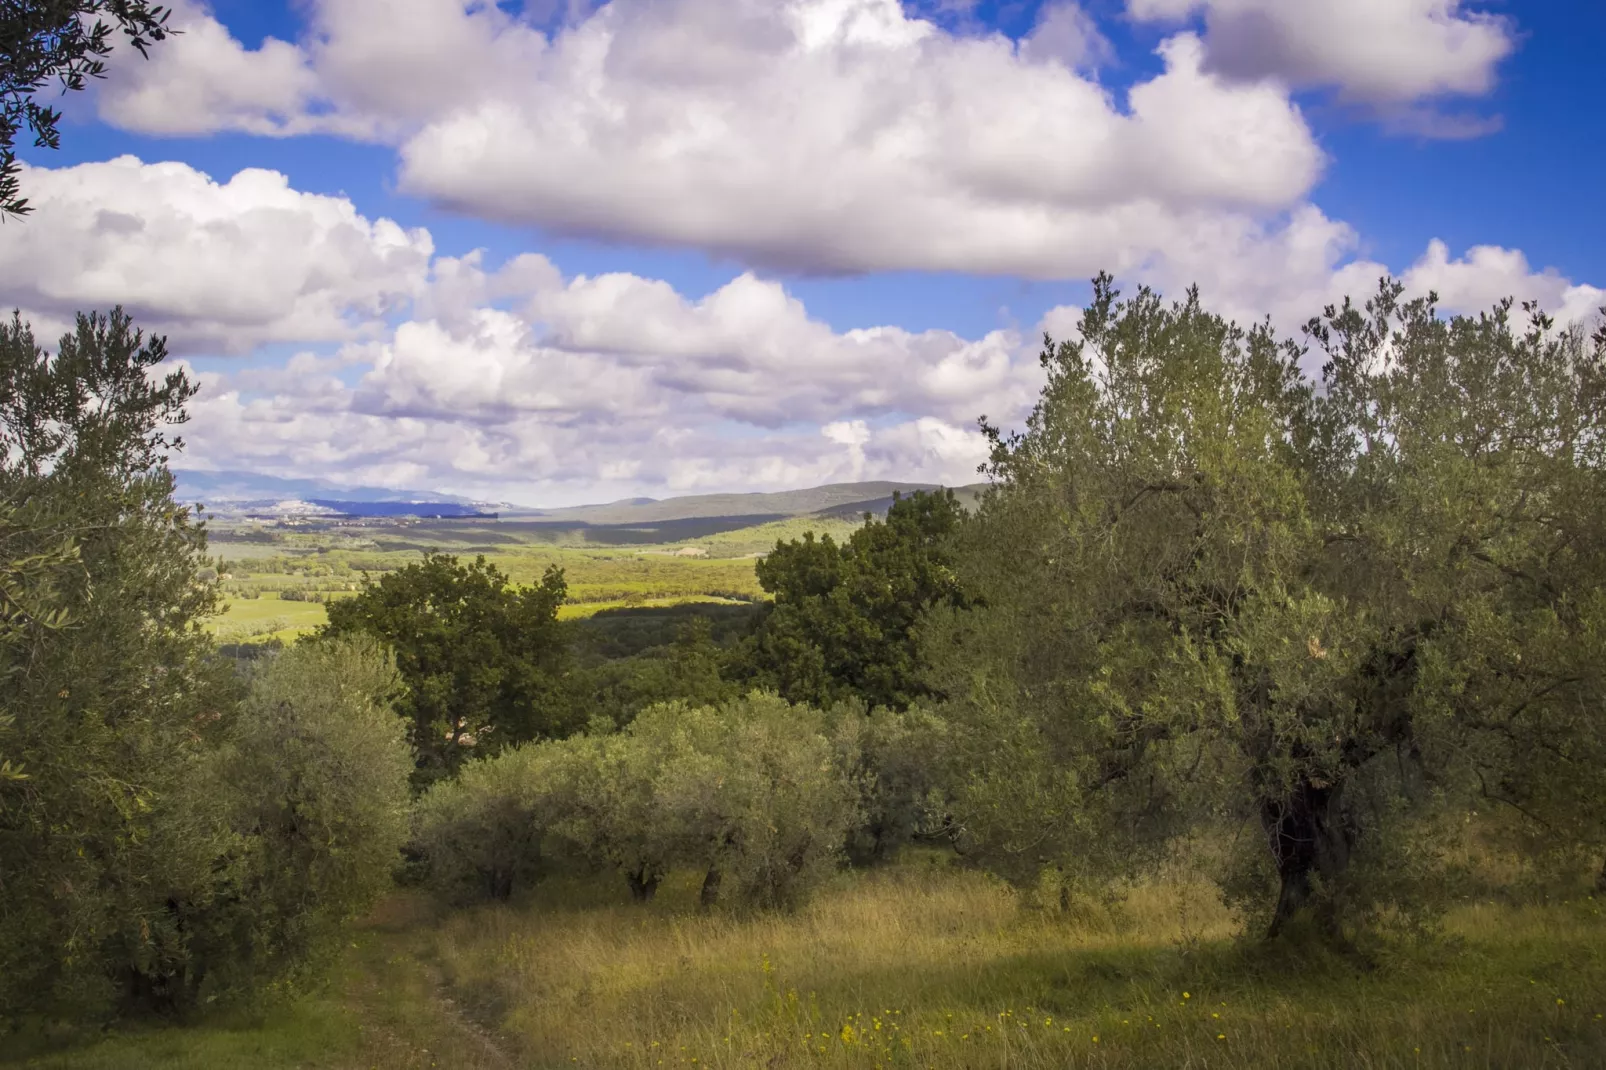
312	776
899	758
482	833
1218	591
755	794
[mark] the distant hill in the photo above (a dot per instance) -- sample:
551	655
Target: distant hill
782	503
250	493
433	510
236	486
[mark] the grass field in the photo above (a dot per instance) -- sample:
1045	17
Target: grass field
259	619
918	965
266	617
598	577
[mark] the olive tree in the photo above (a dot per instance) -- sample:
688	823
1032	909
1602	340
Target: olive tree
310	781
754	793
105	672
616	821
1219	589
482	834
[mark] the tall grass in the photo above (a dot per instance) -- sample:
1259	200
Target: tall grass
919	965
924	965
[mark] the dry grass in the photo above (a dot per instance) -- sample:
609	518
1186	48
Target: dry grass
920	965
927	966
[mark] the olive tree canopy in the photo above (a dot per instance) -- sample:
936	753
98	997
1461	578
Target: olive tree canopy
1215	585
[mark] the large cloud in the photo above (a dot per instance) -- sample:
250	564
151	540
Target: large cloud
519	382
823	135
1380	52
836	135
616	384
219	266
844	137
203	80
589	387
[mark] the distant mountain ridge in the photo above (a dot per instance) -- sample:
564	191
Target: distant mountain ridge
238	486
250	493
807	502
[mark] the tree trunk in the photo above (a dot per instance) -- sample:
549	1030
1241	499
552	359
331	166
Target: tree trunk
710	893
643	883
1310	836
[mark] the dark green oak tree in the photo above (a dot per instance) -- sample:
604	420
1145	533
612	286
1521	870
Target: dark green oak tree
842	622
485	663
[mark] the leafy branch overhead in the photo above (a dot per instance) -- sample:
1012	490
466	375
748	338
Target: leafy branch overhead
66	41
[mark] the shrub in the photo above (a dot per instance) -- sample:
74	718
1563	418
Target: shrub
896	756
481	833
754	792
302	809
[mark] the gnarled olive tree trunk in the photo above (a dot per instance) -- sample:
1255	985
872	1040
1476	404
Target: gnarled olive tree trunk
644	883
1310	835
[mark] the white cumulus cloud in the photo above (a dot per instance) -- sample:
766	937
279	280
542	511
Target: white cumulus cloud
820	135
218	265
1372	51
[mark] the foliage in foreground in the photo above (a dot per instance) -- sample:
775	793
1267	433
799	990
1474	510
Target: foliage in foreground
162	845
64	40
108	692
1218	593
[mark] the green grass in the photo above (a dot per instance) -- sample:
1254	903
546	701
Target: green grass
918	965
587	609
384	1007
265	617
597	579
927	966
762	538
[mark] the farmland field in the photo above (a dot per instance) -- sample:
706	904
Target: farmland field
264	562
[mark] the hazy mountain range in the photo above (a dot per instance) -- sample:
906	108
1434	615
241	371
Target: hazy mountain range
238	492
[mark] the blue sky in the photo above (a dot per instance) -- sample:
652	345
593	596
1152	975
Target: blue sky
732	245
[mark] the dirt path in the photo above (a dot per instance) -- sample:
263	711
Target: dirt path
406	1014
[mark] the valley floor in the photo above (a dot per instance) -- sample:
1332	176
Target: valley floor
918	965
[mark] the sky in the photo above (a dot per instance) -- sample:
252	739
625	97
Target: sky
563	251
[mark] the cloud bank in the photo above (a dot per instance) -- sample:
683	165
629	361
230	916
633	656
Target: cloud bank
795	136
